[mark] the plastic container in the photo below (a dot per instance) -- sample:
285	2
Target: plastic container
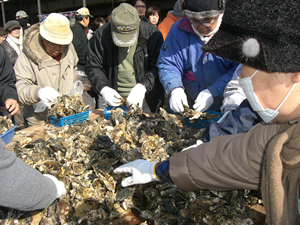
202	123
107	111
68	120
8	135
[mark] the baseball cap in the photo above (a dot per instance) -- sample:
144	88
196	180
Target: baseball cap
21	13
125	25
56	29
83	12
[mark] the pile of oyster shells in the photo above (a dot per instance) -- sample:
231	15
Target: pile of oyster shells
84	156
67	105
5	124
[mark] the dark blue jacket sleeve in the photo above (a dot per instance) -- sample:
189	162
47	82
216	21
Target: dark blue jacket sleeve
7	78
237	121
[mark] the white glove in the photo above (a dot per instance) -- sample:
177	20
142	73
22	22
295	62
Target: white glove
177	99
60	186
203	101
137	95
48	94
199	142
40	106
111	96
141	170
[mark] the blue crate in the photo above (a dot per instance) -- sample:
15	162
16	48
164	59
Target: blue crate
68	120
107	111
8	135
202	123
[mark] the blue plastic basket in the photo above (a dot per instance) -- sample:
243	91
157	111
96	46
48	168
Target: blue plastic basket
68	120
202	123
8	135
107	111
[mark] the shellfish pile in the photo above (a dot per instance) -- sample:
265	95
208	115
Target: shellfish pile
67	106
5	124
84	156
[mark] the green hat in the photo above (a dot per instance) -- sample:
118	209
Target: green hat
125	25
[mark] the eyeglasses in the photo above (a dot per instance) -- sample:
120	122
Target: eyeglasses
206	23
140	6
52	45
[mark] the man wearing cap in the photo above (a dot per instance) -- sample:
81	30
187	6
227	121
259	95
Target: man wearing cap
80	30
46	67
22	18
171	18
121	60
189	75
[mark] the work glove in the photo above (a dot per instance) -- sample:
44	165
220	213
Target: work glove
111	96
137	95
48	94
60	186
204	101
177	99
142	172
40	106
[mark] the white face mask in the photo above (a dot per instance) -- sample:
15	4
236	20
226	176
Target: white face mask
267	115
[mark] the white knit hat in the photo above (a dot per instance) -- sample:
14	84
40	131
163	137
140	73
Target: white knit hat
56	29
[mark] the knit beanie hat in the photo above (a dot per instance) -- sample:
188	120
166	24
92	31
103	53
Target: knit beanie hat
263	34
176	9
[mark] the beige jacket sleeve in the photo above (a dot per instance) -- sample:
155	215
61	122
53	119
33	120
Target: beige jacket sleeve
225	163
26	81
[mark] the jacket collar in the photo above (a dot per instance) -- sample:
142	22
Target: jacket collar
80	25
184	24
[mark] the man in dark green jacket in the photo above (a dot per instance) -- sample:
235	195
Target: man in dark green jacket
121	60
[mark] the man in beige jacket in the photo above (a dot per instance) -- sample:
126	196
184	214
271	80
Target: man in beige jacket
47	66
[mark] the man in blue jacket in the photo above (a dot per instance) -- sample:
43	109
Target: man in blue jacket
189	75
